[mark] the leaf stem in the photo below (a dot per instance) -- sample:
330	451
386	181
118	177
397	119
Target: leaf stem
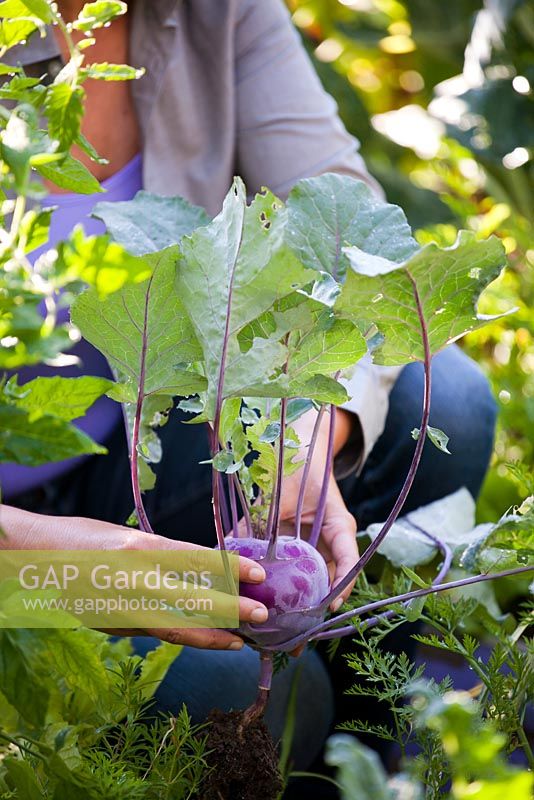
321	506
306	472
397	508
142	517
443	570
244	504
273	525
321	631
401	598
233	504
225	514
220	398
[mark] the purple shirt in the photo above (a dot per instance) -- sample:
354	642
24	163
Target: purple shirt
73	209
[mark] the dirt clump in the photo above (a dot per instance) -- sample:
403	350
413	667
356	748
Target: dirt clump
243	759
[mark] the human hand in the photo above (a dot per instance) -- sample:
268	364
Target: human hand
26	531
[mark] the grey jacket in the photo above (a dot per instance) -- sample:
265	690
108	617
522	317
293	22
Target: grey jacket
229	89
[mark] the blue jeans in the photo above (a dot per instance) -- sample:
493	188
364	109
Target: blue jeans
180	508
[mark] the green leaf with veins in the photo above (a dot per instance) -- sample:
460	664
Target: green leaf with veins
149	223
89	150
319	353
71	175
317	345
448	282
64	398
42	441
143	331
331	211
63	106
230	273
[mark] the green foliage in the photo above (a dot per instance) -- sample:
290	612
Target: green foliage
38	441
75	719
348	214
445	282
149	223
442	150
73	704
282	309
35	419
149	341
471	753
65	398
96	15
453	741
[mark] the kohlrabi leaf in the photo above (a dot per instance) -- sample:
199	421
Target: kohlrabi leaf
41	441
318	353
149	223
230	273
65	398
451	519
317	345
143	331
331	212
148	340
440	286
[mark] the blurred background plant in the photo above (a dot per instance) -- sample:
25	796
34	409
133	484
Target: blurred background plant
440	97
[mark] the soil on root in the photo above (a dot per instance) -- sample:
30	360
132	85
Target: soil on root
243	760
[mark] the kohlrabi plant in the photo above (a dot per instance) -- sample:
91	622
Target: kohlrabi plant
255	317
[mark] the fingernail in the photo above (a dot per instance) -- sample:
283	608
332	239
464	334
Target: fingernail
336	605
236	645
256	574
259	615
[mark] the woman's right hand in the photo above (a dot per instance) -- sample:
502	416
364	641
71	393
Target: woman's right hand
22	530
